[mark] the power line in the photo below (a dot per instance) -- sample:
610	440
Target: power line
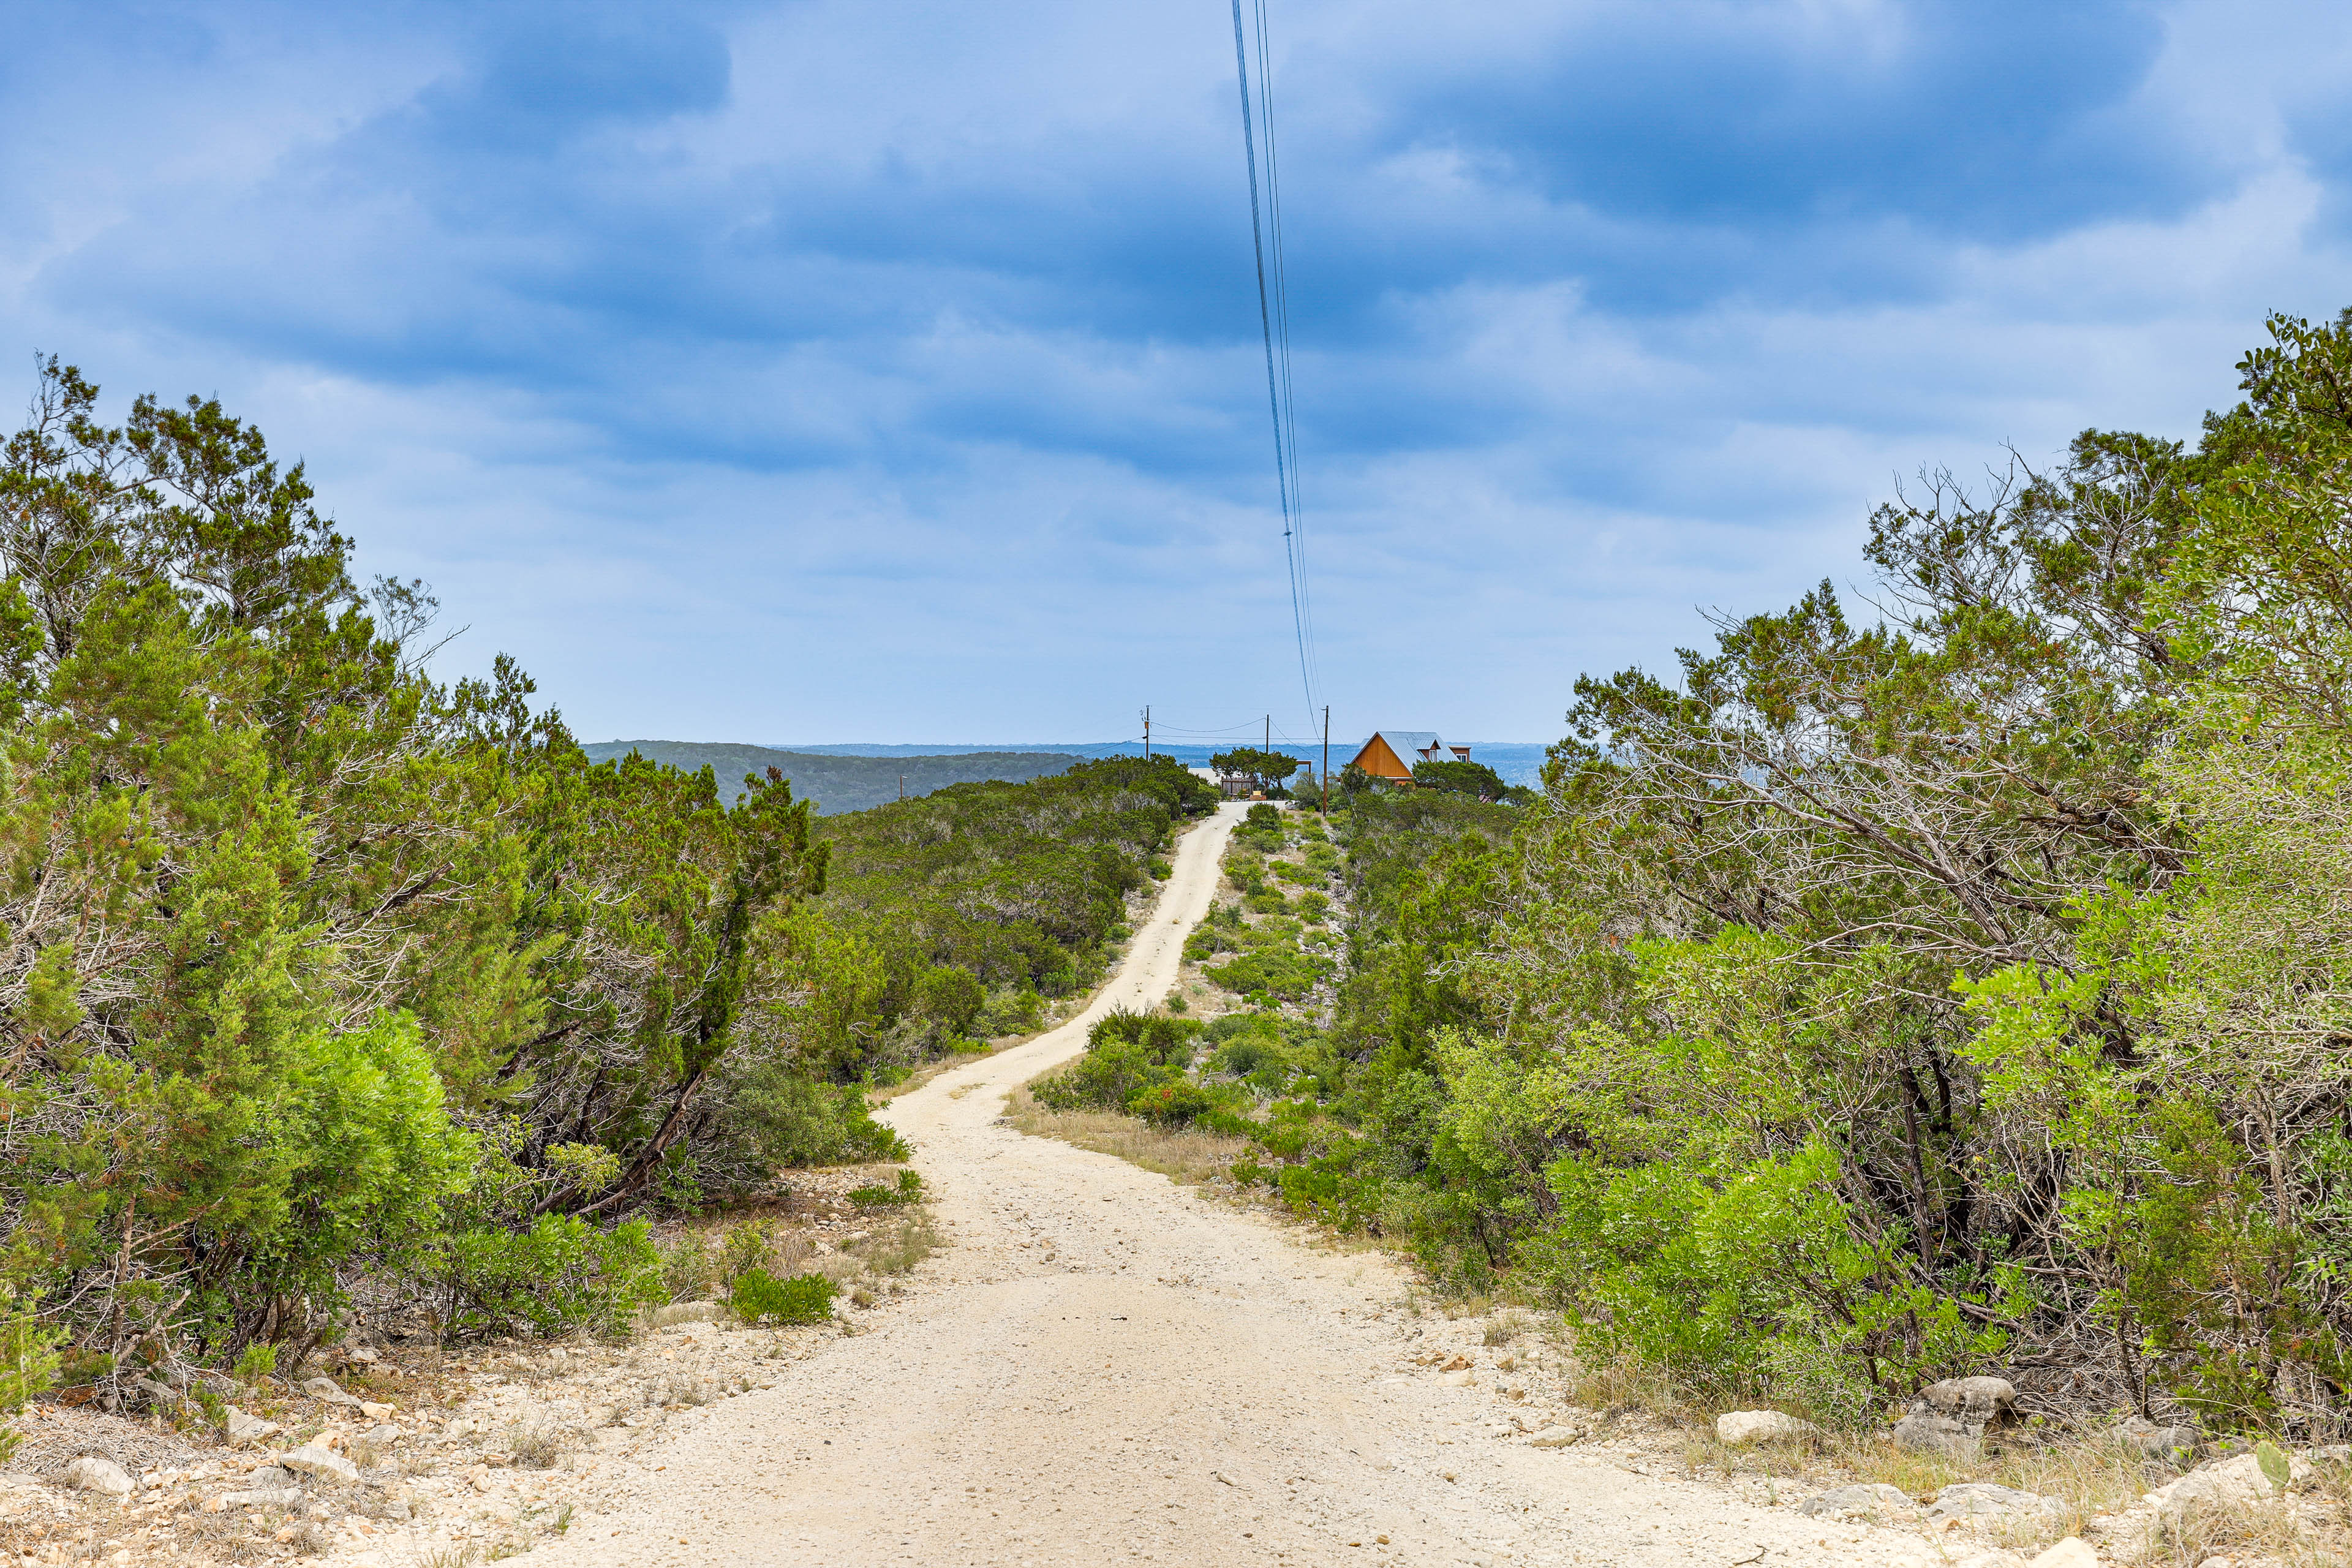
1274	324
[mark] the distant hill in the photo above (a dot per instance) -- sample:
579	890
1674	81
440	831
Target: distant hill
838	783
1520	762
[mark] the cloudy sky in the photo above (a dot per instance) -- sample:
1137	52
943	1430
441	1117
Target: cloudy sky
890	370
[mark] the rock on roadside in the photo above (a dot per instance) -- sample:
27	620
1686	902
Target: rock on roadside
1757	1425
94	1473
1873	1499
1951	1416
312	1460
242	1428
2072	1552
1974	1500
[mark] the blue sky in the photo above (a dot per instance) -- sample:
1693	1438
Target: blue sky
889	372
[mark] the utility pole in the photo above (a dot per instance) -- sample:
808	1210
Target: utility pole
1324	780
1267	745
902	786
1147	731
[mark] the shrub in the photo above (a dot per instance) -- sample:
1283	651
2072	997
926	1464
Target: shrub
1263	815
792	1121
909	1190
747	1247
759	1297
1173	1103
28	1368
561	1275
688	1268
1287	975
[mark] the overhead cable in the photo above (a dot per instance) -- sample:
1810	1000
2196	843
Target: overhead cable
1273	323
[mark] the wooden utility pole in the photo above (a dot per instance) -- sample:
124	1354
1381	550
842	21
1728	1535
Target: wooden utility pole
1147	731
1325	778
902	786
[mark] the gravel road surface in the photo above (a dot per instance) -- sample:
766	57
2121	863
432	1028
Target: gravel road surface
1103	1367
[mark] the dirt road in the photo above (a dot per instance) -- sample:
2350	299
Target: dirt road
1105	1368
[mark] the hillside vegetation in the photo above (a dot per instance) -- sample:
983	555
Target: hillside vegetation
1960	988
832	783
319	970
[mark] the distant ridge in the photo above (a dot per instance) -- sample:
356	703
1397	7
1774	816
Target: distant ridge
840	781
1518	761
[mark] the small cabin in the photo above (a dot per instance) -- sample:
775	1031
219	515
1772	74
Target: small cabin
1390	753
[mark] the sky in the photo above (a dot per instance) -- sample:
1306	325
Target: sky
890	371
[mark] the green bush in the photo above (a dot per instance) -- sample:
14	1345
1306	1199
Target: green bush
1288	975
792	1121
1174	1102
688	1268
561	1275
1263	815
28	1368
909	1190
759	1298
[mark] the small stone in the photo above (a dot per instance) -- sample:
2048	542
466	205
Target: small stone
264	1497
1758	1426
2159	1442
1874	1499
1459	1363
2072	1552
1982	1499
1556	1438
271	1477
94	1473
1456	1380
314	1460
375	1412
325	1392
242	1428
382	1436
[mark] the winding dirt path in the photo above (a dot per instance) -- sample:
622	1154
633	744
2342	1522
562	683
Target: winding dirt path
1105	1368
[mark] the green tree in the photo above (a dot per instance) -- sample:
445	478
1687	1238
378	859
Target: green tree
1268	770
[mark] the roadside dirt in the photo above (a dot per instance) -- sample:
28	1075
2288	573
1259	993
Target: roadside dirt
1105	1367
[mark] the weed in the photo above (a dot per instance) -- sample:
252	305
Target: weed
562	1524
762	1297
535	1444
678	1388
906	1244
1504	1327
747	1247
688	1268
909	1190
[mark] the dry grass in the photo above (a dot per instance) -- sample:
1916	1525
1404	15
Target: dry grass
1186	1157
918	1077
899	1243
